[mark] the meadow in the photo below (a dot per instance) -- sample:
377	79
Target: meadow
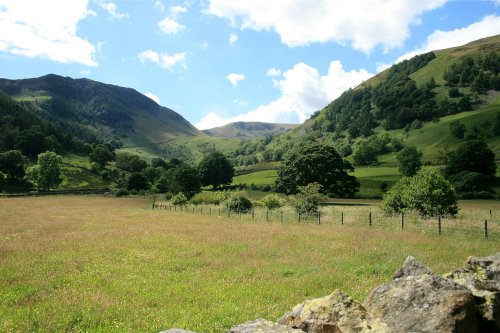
101	264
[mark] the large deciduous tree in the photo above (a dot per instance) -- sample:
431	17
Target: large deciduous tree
317	163
215	169
46	173
410	161
12	164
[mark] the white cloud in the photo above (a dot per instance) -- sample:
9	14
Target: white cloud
46	29
178	9
170	26
363	23
303	91
233	38
234	78
273	72
153	97
111	8
164	60
488	26
240	103
159	5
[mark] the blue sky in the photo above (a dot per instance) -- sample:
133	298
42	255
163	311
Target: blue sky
217	61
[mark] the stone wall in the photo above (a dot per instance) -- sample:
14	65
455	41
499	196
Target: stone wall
415	300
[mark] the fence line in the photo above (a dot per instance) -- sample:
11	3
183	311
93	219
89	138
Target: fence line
484	225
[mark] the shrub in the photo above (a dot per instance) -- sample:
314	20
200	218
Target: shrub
121	192
238	202
309	199
179	199
272	201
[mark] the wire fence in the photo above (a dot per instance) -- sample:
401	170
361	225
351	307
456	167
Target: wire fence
481	223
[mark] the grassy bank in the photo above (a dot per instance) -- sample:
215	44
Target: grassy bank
114	265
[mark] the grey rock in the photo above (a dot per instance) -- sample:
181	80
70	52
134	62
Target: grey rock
263	326
482	277
418	300
336	312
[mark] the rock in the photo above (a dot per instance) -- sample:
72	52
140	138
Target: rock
263	326
336	312
176	330
418	300
482	277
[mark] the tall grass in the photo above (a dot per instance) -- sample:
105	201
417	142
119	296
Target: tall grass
95	264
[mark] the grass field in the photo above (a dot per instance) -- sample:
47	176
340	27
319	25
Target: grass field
96	264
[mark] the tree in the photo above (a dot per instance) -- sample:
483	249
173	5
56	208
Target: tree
457	129
215	169
13	164
426	193
101	155
137	181
46	173
309	200
130	163
182	178
272	201
472	156
366	154
316	163
410	161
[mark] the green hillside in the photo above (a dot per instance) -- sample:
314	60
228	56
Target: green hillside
97	112
249	130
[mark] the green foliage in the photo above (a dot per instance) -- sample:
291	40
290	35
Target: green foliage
480	73
410	161
366	154
210	198
121	192
472	156
238	202
182	178
137	181
130	163
46	173
426	193
101	155
309	199
317	163
457	129
3	180
215	169
272	201
13	164
179	199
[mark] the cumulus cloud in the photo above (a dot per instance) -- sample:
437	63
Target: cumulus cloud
178	9
273	72
46	29
303	91
234	78
153	97
159	5
170	26
233	38
362	23
111	8
164	60
488	26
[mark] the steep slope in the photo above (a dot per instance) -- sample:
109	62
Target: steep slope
249	130
95	111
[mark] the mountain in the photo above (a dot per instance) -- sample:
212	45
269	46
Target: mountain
96	112
411	103
248	130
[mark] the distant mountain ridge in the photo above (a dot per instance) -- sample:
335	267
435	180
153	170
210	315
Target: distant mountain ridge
96	111
249	130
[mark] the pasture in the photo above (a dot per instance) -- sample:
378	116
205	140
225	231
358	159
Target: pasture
98	264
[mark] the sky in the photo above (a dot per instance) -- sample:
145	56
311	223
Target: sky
220	61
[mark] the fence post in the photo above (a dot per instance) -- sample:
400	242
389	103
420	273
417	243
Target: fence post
342	218
219	211
201	210
267	215
281	217
319	218
253	214
229	212
240	214
154	201
175	208
299	217
485	229
370	219
439	225
193	209
402	221
210	211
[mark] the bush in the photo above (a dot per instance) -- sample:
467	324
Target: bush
309	199
168	195
209	198
238	202
272	201
179	199
121	192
